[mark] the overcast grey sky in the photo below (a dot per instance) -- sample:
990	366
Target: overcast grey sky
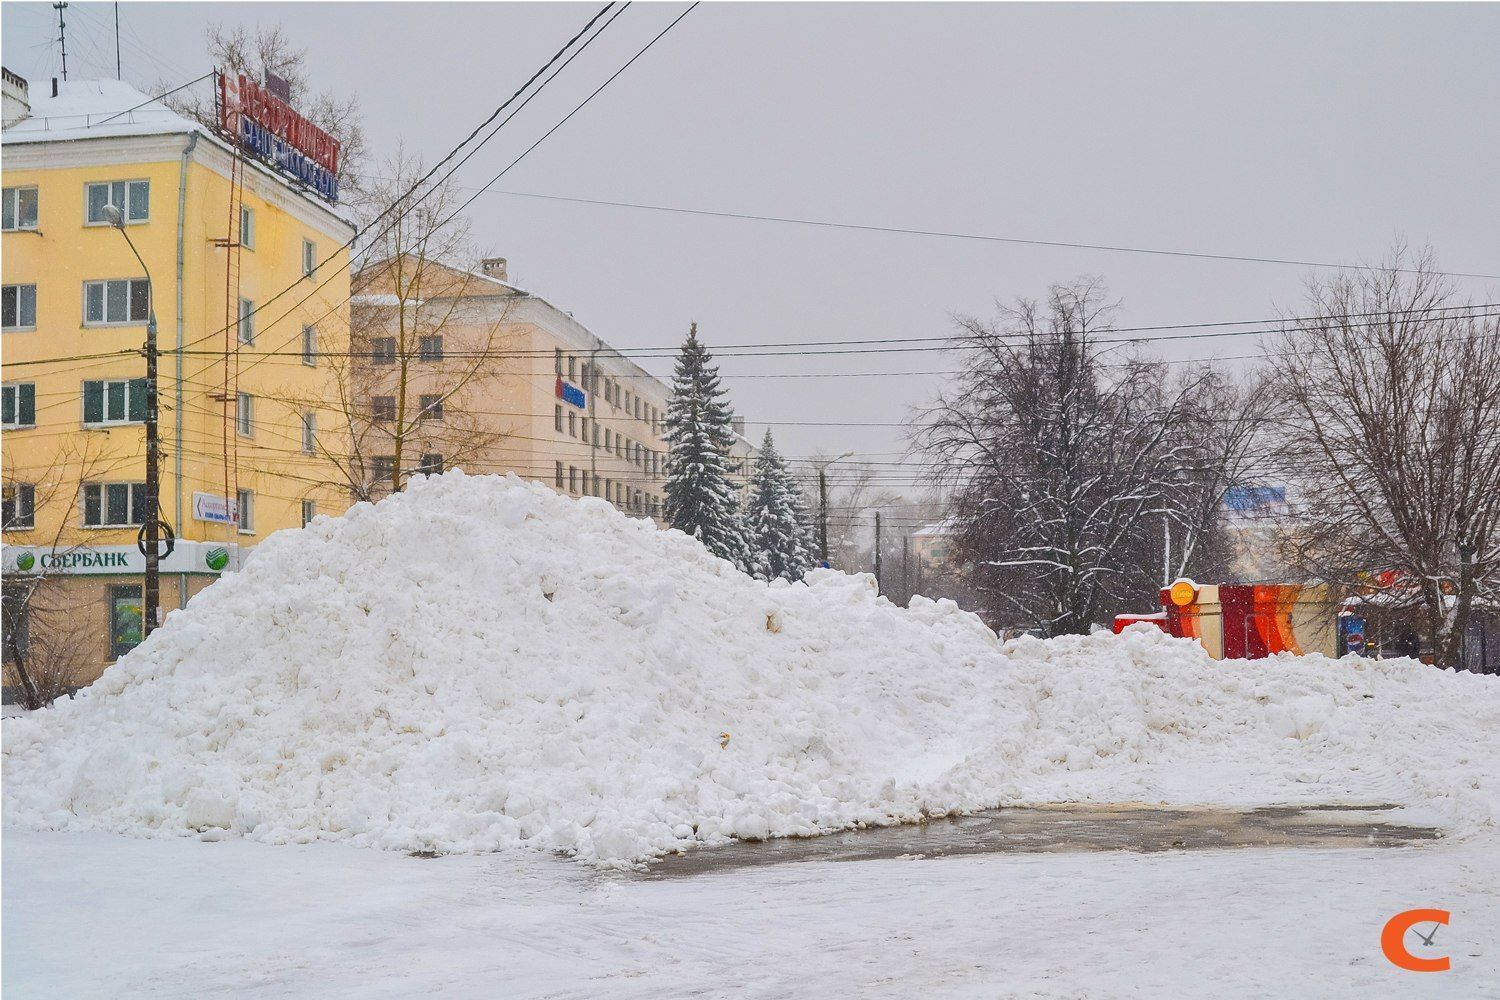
1314	132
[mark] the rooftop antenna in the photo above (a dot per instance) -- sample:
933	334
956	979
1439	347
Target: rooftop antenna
62	35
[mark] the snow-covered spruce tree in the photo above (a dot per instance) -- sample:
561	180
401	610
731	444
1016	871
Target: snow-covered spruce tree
776	520
701	500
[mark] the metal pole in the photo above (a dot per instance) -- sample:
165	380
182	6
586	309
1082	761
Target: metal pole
823	513
877	552
1166	551
62	37
151	597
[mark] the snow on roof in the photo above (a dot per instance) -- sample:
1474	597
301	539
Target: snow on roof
88	109
938	528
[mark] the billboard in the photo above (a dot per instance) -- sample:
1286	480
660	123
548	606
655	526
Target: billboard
271	130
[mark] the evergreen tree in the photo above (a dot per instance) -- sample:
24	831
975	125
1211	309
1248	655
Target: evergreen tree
776	521
701	500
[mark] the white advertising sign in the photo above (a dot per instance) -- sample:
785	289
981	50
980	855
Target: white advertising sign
216	509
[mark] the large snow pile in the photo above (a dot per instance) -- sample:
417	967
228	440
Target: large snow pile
479	663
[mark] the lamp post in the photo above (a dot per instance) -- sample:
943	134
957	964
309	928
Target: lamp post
150	538
823	504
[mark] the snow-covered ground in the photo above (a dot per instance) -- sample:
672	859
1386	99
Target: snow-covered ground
93	915
477	663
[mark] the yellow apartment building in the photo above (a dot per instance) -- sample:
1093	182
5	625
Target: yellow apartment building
506	382
248	304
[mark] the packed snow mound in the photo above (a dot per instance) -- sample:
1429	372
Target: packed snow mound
479	663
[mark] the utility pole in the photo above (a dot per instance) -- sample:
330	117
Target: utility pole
62	35
118	74
150	540
906	589
1166	550
823	503
877	552
823	514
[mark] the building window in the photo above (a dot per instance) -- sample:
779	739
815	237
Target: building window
133	198
309	511
557	418
432	407
247	321
432	464
559	479
572	479
125	619
430	349
596	434
309	345
19	507
583	429
609	490
20	404
383	468
309	258
115	303
114	505
244	414
114	401
383	350
572	368
309	432
18	307
247	227
383	409
557	359
18	209
246	511
572	424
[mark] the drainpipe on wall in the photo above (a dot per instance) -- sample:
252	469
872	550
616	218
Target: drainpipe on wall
187	154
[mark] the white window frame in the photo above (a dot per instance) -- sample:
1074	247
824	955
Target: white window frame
125	208
310	345
244	415
245	501
309	258
14	389
16	491
20	288
247	227
309	511
309	433
130	285
106	420
12	204
131	514
244	322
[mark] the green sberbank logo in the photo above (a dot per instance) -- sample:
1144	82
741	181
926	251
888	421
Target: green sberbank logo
216	558
25	561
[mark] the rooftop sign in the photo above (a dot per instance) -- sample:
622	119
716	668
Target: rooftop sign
267	126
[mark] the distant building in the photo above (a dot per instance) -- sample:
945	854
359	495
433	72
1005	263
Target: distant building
568	409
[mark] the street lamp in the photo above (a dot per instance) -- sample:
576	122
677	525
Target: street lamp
823	503
150	535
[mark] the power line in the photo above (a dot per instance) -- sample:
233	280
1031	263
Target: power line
899	230
360	231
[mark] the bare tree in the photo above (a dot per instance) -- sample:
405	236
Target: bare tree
429	347
1061	467
1392	433
47	631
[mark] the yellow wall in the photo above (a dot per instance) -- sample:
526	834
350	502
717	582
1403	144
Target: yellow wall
65	253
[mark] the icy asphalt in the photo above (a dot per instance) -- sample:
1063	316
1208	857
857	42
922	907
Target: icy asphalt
95	915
